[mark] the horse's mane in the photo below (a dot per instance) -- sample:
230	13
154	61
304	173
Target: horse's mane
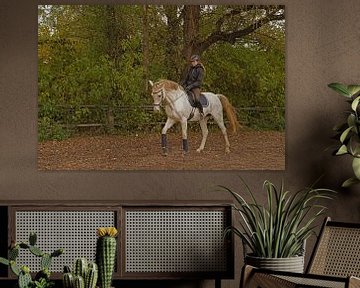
169	85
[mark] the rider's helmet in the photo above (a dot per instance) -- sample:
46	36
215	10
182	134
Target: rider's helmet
195	58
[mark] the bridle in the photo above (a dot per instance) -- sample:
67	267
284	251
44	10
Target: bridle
162	96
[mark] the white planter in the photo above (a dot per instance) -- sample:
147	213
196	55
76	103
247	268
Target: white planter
291	264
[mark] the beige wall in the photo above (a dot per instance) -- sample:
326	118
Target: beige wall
323	46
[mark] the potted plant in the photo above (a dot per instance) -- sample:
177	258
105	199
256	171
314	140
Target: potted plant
349	132
275	234
84	274
42	278
106	254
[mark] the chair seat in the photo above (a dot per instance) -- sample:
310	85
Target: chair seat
267	279
332	282
335	262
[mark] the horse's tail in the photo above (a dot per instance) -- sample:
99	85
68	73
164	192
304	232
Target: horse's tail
230	113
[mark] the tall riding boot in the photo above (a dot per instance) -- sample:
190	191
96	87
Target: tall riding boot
200	108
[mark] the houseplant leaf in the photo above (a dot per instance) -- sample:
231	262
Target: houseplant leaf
342	150
349	182
356	167
353	89
355	103
340	88
345	134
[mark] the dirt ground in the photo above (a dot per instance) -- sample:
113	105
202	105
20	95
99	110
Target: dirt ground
250	150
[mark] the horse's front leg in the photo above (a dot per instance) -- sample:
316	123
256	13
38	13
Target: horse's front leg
169	123
184	135
205	132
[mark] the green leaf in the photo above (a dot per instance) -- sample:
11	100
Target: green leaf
355	103
351	120
354	146
14	268
356	167
353	89
4	261
341	89
345	134
342	150
349	182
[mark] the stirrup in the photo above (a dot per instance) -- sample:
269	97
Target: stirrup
201	112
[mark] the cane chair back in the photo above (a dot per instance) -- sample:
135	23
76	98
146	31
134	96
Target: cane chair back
334	263
337	252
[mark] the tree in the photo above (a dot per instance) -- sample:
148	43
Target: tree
103	55
232	24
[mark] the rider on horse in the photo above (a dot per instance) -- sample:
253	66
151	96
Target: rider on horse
193	80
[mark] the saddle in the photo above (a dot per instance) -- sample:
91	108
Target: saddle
203	100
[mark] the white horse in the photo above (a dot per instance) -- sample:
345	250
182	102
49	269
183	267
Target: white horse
178	109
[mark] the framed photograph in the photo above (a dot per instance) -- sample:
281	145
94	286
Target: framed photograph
161	87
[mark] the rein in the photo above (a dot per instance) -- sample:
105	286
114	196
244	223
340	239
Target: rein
164	98
169	101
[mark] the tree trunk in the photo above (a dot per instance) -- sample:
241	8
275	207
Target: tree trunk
145	48
173	49
111	32
191	30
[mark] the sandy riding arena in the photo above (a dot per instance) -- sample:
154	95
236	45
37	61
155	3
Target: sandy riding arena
250	150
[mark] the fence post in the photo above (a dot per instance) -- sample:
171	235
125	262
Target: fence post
110	118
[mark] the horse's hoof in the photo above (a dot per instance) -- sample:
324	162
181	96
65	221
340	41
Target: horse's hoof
164	151
199	150
227	150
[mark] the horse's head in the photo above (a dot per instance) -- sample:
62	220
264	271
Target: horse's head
158	94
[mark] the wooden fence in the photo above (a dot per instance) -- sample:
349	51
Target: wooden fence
104	116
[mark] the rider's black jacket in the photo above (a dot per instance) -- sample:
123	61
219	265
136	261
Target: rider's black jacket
194	77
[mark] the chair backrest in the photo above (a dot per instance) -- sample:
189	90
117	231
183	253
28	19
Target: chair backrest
337	251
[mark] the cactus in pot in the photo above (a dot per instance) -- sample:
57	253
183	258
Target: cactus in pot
42	278
85	275
106	254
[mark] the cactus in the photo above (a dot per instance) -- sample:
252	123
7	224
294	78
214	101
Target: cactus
91	276
32	238
13	253
45	261
23	273
84	274
24	280
80	267
36	251
14	268
106	254
68	280
43	274
57	252
79	282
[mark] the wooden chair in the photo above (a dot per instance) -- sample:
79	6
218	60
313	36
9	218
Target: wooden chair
335	262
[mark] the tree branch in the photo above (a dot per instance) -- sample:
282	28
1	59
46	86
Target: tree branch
231	37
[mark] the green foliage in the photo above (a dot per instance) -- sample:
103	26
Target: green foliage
349	132
279	229
91	59
85	274
250	78
43	283
42	278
